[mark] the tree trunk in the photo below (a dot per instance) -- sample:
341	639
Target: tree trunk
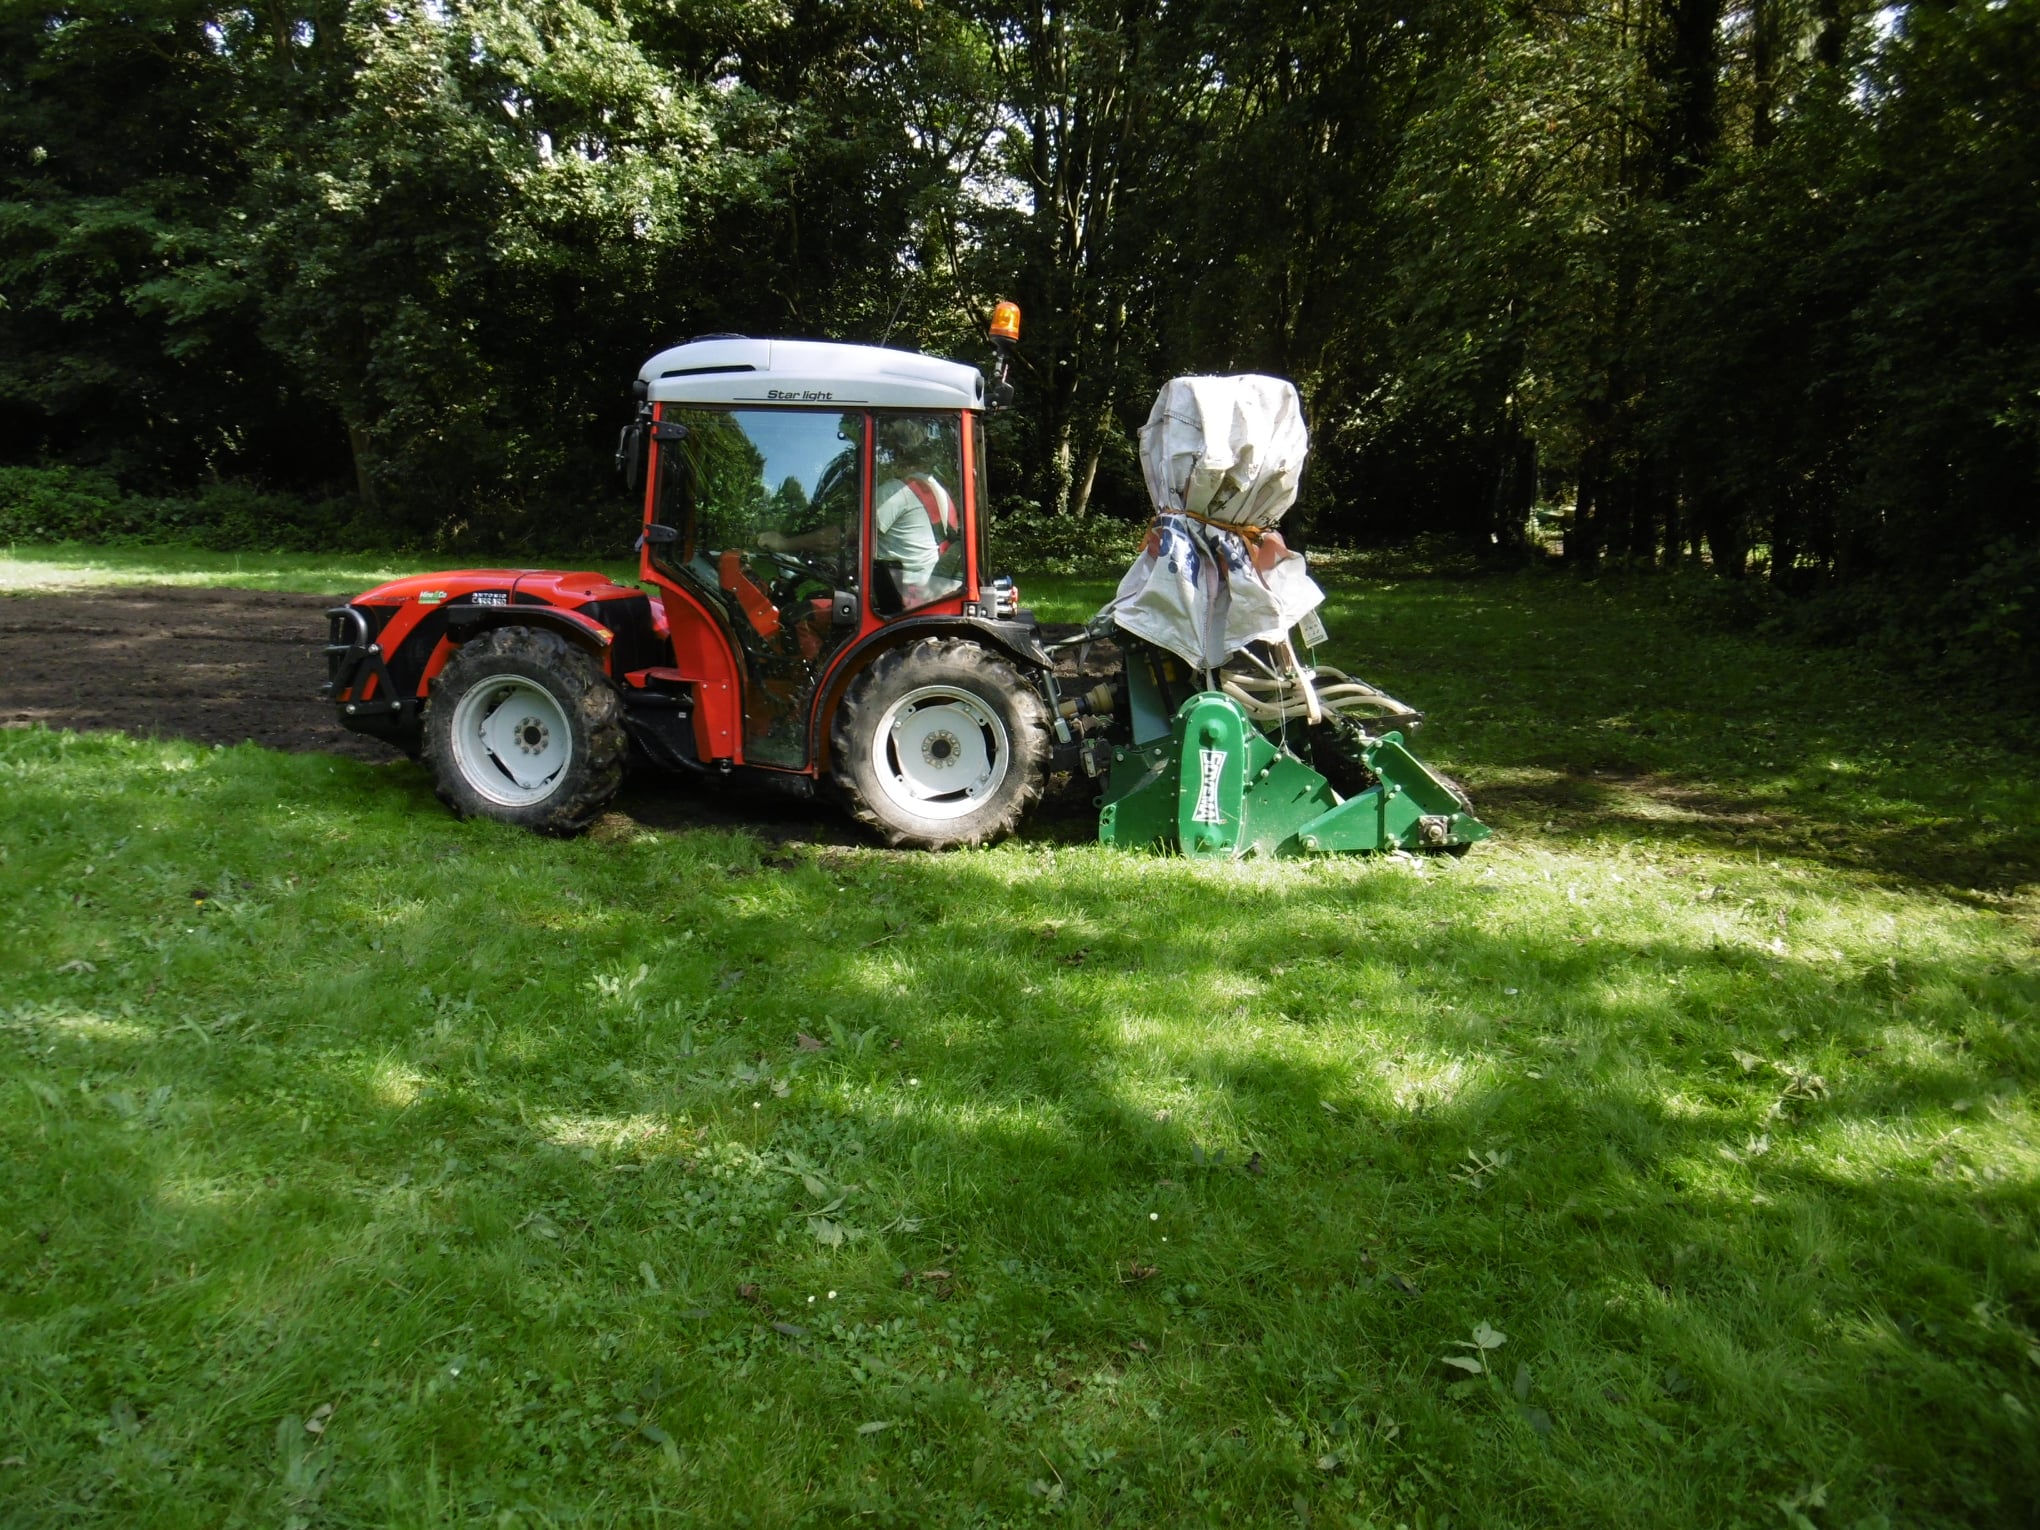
1689	68
1784	548
1674	523
1081	505
359	442
1515	488
1763	73
1653	526
1582	537
1061	471
1833	34
1727	545
1618	499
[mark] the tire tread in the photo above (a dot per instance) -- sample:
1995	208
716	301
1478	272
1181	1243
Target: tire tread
896	671
582	689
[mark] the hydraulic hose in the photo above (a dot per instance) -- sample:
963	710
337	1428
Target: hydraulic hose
1273	699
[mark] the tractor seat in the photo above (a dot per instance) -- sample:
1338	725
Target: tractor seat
888	586
811	627
755	604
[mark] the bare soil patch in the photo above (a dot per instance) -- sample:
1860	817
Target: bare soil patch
213	666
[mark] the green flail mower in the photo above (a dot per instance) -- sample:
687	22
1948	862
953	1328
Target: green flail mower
1227	742
1222	776
1233	765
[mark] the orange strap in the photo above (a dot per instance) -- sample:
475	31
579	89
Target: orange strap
1265	546
1252	534
942	522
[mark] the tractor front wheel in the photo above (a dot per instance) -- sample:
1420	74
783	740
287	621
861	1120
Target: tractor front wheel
940	744
522	726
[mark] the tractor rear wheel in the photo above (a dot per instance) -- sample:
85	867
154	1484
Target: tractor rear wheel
939	744
523	727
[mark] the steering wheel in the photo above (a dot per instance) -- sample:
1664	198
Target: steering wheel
794	571
790	565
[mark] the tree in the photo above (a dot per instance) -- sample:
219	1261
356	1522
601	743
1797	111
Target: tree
128	330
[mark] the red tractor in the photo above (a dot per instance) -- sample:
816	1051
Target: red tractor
821	610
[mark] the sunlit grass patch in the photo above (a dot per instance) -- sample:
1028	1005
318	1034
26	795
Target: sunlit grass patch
51	567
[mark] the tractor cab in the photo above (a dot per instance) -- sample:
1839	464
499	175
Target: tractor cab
801	498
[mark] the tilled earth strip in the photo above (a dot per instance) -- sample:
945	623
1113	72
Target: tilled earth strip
212	666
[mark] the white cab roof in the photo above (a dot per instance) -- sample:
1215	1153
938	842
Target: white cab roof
733	369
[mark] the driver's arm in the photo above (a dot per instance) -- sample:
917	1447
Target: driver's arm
821	539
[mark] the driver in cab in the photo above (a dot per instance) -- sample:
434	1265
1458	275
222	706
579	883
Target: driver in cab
914	516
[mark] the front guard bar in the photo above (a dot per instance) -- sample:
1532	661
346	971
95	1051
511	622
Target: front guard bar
353	659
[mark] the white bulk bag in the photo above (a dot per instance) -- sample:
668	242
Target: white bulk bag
1218	453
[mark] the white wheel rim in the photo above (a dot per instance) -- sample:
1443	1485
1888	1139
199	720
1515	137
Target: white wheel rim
511	740
940	752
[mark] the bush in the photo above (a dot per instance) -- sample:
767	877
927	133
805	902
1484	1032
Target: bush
68	504
59	504
1027	541
236	517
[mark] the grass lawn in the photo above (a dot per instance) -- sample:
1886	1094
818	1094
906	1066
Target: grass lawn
1671	1160
30	568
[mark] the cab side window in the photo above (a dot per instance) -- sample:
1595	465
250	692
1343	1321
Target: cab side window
917	548
762	477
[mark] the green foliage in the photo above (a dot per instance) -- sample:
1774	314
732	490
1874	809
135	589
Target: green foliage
1871	419
82	505
1670	1160
47	504
128	337
1027	541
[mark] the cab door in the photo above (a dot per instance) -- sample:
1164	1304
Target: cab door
766	504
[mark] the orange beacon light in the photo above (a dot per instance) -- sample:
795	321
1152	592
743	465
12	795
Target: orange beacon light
1006	321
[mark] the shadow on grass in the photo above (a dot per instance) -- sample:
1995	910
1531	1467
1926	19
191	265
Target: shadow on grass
1620	709
1665	1302
1633	1236
1670	812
